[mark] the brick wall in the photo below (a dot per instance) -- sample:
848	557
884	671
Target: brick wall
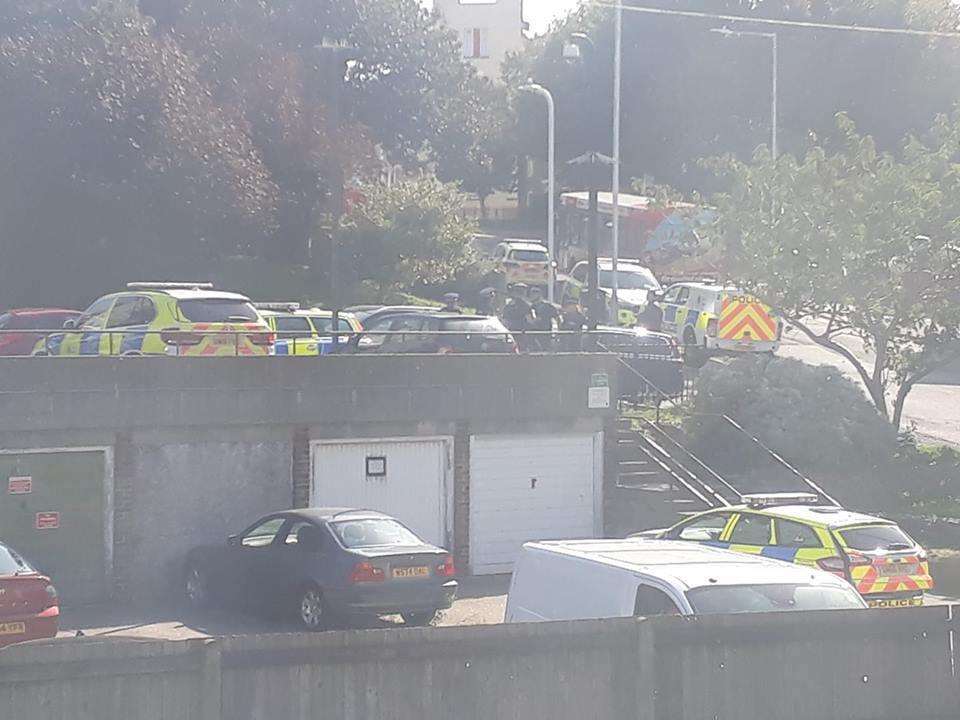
301	467
124	531
461	495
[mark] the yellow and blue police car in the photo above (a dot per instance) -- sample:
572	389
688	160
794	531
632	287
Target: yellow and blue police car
190	319
886	566
306	331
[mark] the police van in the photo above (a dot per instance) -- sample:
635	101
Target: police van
587	579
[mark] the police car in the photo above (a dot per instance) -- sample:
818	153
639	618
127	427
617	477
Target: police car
190	319
714	317
887	566
306	331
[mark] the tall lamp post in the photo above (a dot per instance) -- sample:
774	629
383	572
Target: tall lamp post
772	37
551	180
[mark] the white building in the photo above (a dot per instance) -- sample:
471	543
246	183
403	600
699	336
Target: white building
488	30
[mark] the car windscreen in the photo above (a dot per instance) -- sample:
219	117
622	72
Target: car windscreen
217	310
483	325
373	532
875	537
720	599
639	279
11	563
539	256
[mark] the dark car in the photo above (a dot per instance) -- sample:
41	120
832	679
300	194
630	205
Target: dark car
372	313
16	338
324	563
435	332
29	607
651	367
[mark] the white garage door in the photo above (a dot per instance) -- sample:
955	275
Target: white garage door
530	487
403	478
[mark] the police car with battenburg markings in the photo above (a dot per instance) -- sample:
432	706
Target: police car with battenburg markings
886	566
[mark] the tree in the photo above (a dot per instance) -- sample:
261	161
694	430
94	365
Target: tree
407	234
855	241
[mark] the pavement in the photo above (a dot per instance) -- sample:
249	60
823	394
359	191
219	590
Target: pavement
481	601
932	408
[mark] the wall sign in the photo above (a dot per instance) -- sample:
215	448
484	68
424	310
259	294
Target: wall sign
47	520
20	485
376	467
598	394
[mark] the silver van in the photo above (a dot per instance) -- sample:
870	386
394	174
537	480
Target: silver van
579	579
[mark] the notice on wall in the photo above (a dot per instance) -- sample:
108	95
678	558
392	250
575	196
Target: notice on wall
47	520
20	485
598	395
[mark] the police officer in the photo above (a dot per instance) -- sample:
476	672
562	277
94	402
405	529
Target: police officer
487	304
518	314
545	314
572	320
451	304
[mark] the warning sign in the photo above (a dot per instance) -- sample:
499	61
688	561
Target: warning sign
598	394
20	485
48	520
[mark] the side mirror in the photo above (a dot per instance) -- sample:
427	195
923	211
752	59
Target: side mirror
233	540
69	324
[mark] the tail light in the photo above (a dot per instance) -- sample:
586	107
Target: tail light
263	338
52	596
834	566
712	327
364	572
173	336
447	567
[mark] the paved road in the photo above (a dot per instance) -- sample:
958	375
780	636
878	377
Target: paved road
933	409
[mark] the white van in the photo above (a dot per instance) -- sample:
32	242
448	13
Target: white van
580	579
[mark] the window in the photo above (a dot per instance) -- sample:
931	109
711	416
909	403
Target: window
580	273
11	563
683	296
796	535
772	598
128	311
95	315
709	527
537	256
876	537
217	310
475	43
672	296
293	327
374	532
323	324
751	530
263	534
651	601
312	536
636	279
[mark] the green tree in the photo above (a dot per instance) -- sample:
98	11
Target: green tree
406	235
853	241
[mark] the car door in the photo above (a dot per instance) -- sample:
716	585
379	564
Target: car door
671	305
303	554
749	533
87	341
127	322
797	542
254	558
707	529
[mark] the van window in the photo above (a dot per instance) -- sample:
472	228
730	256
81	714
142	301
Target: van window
651	601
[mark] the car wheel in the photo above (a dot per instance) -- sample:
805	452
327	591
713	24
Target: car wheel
311	609
196	587
419	619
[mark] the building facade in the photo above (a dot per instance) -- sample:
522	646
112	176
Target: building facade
488	30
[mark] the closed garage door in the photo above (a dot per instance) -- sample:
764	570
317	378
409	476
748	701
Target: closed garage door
530	487
403	478
53	509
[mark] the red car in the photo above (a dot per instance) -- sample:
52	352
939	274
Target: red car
13	342
29	606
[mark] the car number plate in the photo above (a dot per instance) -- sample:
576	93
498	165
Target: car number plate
410	572
13	628
901	602
893	570
222	339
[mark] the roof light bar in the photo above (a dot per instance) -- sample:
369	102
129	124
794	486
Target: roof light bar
279	306
170	286
762	500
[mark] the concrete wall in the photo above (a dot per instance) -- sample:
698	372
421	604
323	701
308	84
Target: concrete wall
866	665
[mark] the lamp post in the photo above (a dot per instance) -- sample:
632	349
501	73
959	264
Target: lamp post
772	37
551	181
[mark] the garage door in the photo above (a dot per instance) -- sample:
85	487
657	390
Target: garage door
530	487
403	478
52	509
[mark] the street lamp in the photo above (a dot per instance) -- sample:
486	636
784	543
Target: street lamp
772	37
551	180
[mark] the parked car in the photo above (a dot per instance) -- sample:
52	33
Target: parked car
581	579
637	287
652	366
887	566
325	563
306	331
522	261
435	332
29	606
16	324
367	314
164	319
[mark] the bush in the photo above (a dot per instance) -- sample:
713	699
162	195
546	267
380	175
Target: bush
813	416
